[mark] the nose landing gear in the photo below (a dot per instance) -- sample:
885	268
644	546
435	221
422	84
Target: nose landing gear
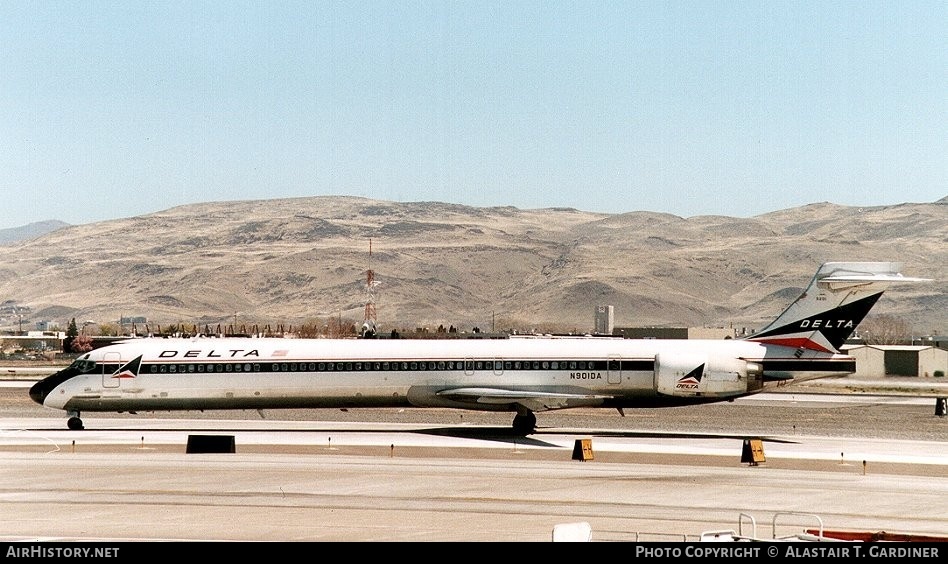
74	422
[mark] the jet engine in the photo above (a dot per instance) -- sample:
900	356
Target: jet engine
695	375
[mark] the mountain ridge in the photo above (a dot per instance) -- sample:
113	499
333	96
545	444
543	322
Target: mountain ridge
30	231
295	260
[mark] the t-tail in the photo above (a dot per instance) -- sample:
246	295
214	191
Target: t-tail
832	306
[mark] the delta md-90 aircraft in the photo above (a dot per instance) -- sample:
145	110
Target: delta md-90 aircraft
520	375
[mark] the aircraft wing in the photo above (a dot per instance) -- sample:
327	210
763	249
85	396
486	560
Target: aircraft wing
533	400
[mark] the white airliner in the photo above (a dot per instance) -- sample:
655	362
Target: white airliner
519	374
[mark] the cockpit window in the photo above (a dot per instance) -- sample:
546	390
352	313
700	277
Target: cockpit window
83	364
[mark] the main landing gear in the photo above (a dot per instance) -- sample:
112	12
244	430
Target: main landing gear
74	423
525	423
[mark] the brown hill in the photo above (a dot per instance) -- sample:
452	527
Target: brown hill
295	260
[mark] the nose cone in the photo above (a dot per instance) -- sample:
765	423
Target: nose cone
39	391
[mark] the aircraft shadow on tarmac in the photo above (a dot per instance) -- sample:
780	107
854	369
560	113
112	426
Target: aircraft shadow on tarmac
506	434
497	434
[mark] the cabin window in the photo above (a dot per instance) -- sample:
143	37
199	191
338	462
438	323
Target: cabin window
237	368
200	368
162	368
545	365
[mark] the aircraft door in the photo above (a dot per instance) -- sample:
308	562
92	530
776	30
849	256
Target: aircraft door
614	369
111	359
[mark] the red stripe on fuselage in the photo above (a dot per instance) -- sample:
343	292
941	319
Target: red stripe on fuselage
796	343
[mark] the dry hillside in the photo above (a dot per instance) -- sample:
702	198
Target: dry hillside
295	260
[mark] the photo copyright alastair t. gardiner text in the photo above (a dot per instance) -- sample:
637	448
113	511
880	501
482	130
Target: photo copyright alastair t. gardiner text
789	550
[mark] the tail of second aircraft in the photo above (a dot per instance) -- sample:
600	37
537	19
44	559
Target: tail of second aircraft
832	306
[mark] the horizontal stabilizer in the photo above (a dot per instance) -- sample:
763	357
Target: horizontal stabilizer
888	273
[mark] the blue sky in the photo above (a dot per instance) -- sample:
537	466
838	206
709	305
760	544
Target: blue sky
115	109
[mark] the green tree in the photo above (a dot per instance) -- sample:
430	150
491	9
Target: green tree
71	333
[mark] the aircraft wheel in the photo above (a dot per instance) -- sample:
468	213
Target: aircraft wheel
525	424
75	424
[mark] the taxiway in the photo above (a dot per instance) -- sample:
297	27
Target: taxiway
868	463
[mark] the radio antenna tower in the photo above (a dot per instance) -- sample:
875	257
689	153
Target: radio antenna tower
369	323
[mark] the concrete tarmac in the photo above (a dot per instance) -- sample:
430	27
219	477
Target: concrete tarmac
444	475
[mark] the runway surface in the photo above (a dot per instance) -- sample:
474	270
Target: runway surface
866	463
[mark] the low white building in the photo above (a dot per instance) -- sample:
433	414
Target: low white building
879	361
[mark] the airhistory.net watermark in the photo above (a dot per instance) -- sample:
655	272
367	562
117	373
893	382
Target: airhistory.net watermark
52	551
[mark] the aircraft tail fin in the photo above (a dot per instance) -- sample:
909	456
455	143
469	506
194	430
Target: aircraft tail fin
832	306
